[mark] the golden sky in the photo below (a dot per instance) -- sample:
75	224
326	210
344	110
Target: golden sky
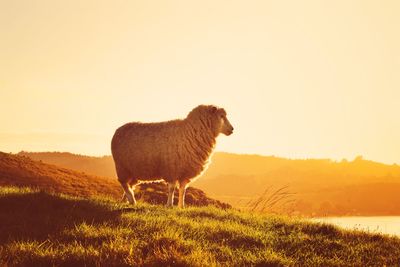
298	79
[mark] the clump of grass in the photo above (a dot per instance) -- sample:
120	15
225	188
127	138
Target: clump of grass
272	200
41	229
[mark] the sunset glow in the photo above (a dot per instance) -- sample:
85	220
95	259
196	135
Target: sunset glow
298	79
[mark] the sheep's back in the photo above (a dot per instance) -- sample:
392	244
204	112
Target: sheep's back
146	150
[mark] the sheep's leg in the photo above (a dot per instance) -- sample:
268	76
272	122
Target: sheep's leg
182	192
129	193
171	190
123	177
124	198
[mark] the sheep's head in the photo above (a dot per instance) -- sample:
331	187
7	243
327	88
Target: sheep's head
224	126
214	117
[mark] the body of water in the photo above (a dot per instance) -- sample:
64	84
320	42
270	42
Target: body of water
380	224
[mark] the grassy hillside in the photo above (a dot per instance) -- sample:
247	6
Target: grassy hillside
20	171
23	171
101	232
321	186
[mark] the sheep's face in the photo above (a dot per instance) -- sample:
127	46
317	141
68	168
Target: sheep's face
225	127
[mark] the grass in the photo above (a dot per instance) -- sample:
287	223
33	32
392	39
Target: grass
272	200
41	229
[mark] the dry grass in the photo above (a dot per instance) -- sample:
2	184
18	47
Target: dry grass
272	200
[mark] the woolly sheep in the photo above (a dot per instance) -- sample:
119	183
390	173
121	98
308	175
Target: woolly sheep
174	151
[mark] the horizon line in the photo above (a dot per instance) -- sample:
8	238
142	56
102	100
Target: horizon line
358	157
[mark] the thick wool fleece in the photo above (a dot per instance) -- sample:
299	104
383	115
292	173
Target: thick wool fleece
176	150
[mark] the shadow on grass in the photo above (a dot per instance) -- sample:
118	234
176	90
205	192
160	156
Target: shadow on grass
36	216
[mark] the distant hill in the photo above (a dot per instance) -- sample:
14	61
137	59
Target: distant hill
319	186
21	171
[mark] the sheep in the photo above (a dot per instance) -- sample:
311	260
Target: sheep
176	151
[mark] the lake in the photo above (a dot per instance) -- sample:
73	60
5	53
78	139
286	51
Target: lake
379	224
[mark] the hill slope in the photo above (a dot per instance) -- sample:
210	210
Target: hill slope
101	166
22	171
322	186
102	232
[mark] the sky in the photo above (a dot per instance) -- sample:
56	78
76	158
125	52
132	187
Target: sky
298	79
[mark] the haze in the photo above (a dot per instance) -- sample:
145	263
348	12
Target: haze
299	79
